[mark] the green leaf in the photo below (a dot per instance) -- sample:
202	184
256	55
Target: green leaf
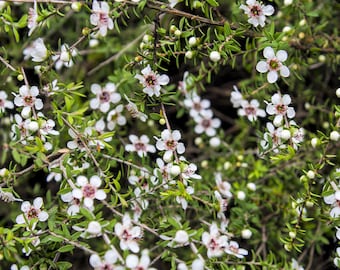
66	248
212	3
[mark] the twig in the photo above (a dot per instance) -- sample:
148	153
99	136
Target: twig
7	64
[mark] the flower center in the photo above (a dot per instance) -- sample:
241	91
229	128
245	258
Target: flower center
106	267
197	106
233	249
140	146
150	80
213	244
103	18
256	11
171	144
2	103
32	213
89	191
250	110
274	64
104	97
29	100
206	123
126	235
281	108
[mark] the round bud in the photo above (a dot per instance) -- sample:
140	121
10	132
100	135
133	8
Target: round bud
94	227
215	142
175	170
325	125
287	2
181	237
198	141
215	56
26	113
4	172
301	35
33	126
309	204
285	134
251	186
292	234
310	174
178	33
204	164
173	28
76	6
162	121
93	43
307	105
147	38
189	54
302	22
286	29
246	234
197	264
20	77
334	136
197	4
337	92
65	56
226	165
277	122
182	266
314	142
241	195
288	247
322	58
86	31
192	41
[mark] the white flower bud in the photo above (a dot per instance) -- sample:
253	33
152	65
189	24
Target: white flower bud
181	237
277	122
286	29
182	266
33	126
197	264
241	195
147	38
285	134
292	234
215	56
314	142
322	58
226	165
215	142
310	174
246	234
302	22
94	227
204	163
192	41
325	125
198	140
251	186
287	2
65	56
334	136
3	172
189	54
93	43
76	6
338	92
175	170
178	33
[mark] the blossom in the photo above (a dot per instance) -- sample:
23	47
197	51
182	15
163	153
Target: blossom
234	249
76	143
104	96
163	170
110	258
251	110
236	97
223	186
20	127
74	204
279	107
88	190
273	64
65	57
133	110
142	263
169	142
15	267
189	172
196	104
47	127
257	12
115	117
214	242
32	211
152	81
100	17
37	50
206	123
296	266
27	98
128	234
273	138
32	21
334	201
4	103
182	200
140	145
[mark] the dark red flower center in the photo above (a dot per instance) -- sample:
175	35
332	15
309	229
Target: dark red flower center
104	97
89	191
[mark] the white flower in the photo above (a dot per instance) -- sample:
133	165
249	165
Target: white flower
273	64
214	242
27	98
22	127
14	266
189	172
88	191
133	110
94	228
279	107
257	12
47	127
32	20
196	104
152	81
100	17
37	50
236	97
163	170
334	136
197	264
233	249
104	96
207	124
115	117
140	145
296	266
74	204
4	103
110	258
65	57
223	186
334	201
76	143
128	234
32	211
169	142
251	110
273	138
142	263
215	56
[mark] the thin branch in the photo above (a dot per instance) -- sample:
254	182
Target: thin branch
7	64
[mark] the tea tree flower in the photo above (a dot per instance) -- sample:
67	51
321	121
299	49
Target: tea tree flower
151	81
104	96
279	107
133	110
257	12
234	249
273	138
115	117
65	57
37	50
140	145
32	20
128	234
15	267
251	110
169	142
101	17
334	201
88	190
223	186
107	263
32	211
214	242
142	263
4	103
27	98
273	64
74	204
196	104
206	123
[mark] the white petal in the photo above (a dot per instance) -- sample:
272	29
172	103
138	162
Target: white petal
100	195
95	261
268	10
132	261
43	216
270	109
34	91
286	99
281	55
77	193
167	155
20	219
330	199
72	145
262	67
163	80
82	180
38	202
88	202
268	53
133	246
290	112
110	256
272	76
38	104
25	206
176	135
180	148
96	89
284	71
95	181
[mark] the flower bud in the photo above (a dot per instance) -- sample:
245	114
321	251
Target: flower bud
226	165
334	136
181	237
246	234
251	186
241	195
285	134
287	2
215	56
189	54
277	122
314	142
65	56
197	264
4	172
338	92
215	142
20	77
192	41
178	33
322	58
94	227
76	6
310	174
93	43
33	126
292	234
161	121
175	170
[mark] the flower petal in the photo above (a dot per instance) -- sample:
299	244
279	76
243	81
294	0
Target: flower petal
262	67
268	53
272	76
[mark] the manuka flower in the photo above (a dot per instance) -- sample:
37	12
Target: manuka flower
257	12
32	20
152	81
279	108
104	96
169	142
115	117
88	190
142	263
206	123
32	211
4	103
37	50
273	64
27	98
334	201
109	259
100	17
196	104
140	145
214	242
234	249
251	110
65	57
